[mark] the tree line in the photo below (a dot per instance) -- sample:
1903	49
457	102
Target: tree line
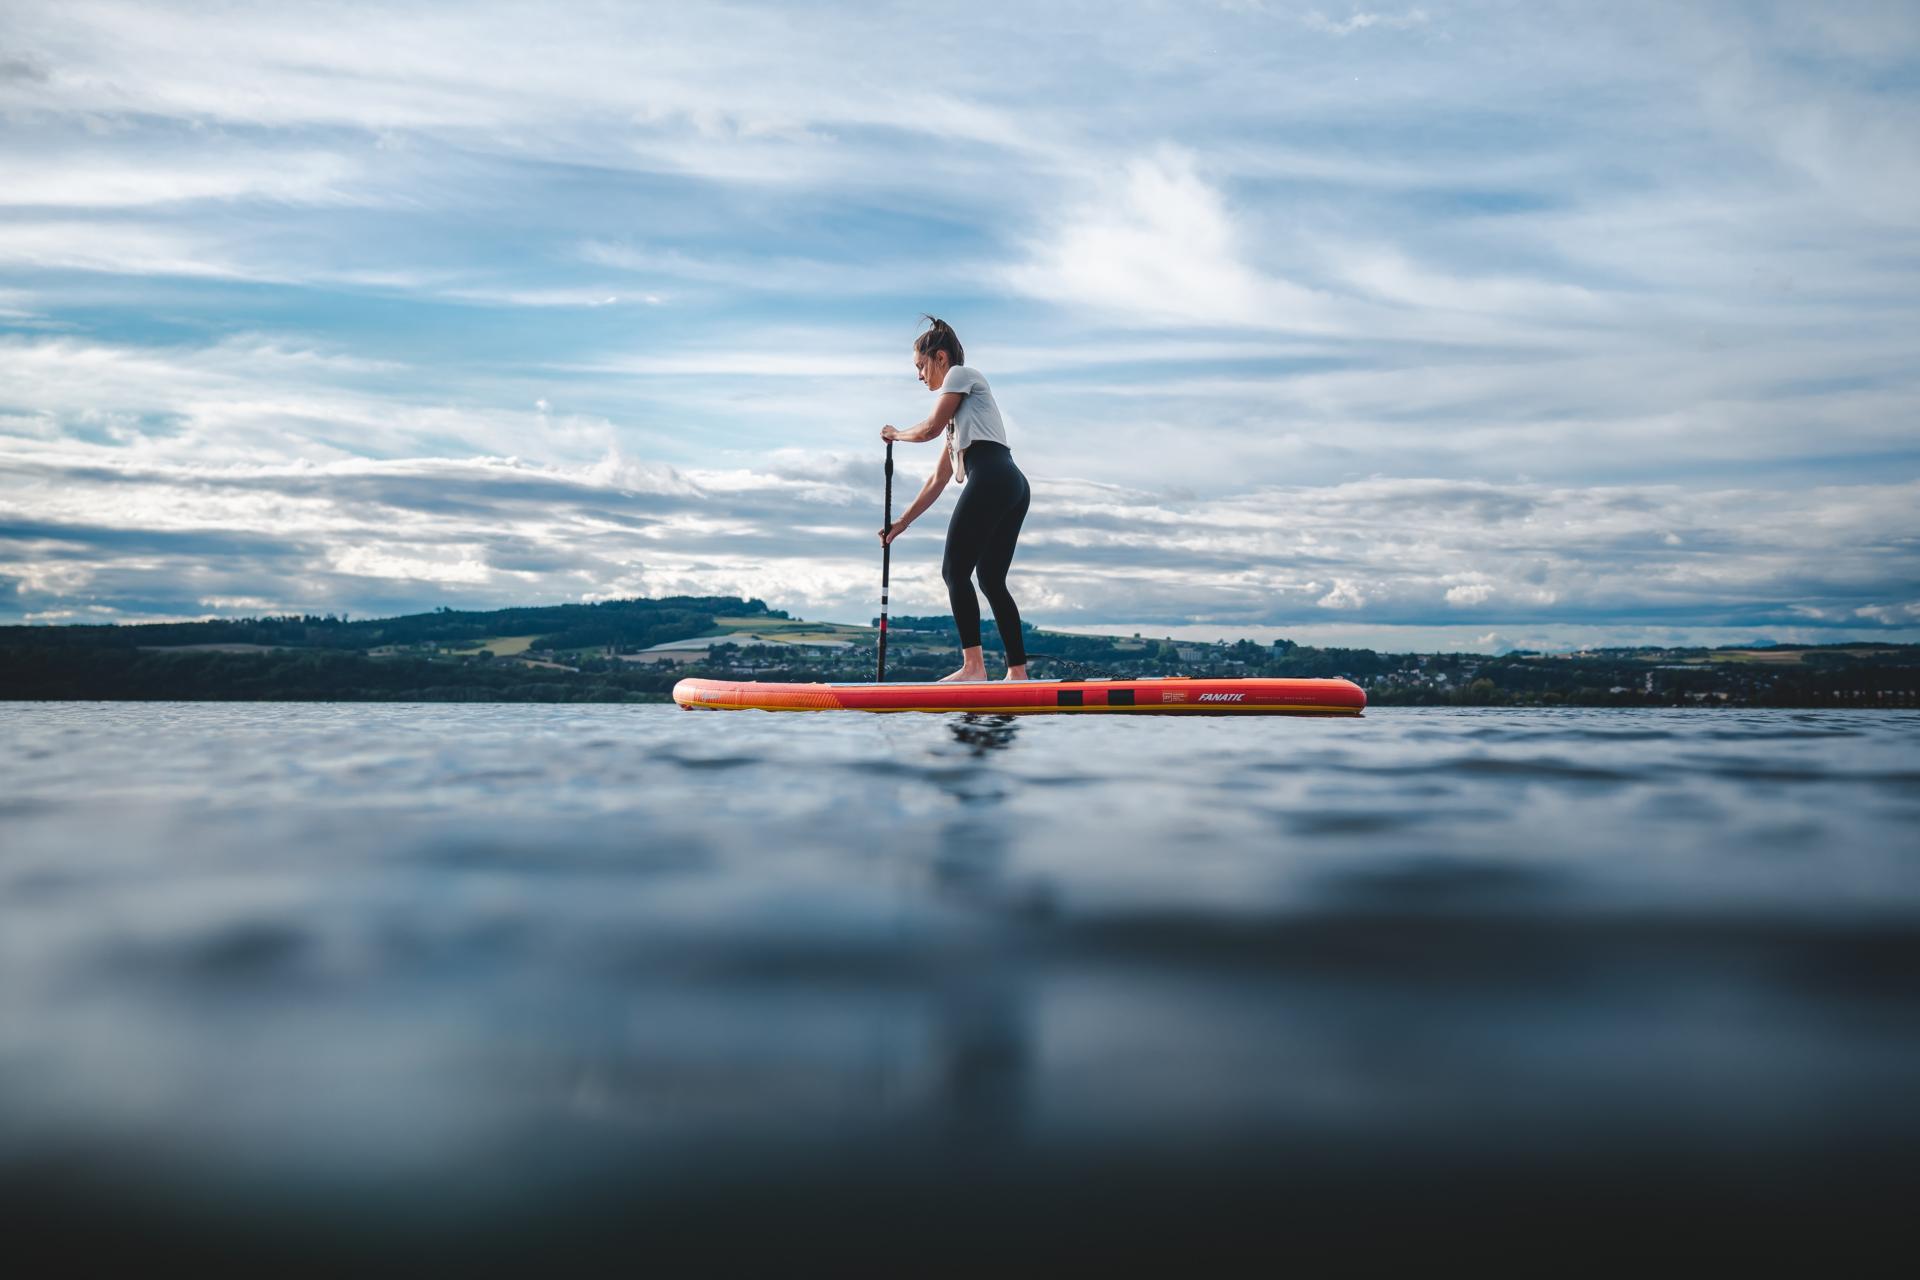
633	623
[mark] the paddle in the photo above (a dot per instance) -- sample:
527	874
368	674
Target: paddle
886	567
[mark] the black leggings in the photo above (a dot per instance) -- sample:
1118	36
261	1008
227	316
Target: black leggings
980	541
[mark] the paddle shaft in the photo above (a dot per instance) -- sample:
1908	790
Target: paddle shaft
886	569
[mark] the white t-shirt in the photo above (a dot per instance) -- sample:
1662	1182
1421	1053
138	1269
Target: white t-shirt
978	417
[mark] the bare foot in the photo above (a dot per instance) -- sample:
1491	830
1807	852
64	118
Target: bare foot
1017	673
973	665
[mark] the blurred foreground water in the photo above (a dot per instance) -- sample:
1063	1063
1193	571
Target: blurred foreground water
377	983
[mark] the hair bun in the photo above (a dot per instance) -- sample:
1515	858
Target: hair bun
939	337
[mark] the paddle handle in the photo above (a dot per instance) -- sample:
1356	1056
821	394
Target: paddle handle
886	569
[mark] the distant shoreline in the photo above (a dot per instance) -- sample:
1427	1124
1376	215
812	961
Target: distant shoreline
634	651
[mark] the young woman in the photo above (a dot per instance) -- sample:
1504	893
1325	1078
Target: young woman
993	499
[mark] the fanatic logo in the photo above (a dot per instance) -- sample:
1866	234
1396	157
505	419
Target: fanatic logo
1221	697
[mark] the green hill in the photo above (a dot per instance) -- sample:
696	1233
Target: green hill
626	624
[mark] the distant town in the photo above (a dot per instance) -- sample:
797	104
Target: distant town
635	650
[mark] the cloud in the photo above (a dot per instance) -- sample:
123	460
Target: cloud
261	398
774	273
1468	594
1360	20
1161	245
361	535
120	179
1852	135
715	92
1386	274
1904	614
122	249
588	297
1344	595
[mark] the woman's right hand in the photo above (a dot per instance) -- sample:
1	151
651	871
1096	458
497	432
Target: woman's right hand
892	531
889	433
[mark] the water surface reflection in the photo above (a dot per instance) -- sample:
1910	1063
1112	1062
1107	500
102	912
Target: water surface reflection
335	973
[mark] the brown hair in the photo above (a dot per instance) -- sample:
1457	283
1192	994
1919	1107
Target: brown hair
939	337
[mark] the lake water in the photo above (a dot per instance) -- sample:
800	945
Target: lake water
361	978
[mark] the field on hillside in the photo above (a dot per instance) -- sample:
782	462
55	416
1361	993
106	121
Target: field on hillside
1782	657
503	646
789	631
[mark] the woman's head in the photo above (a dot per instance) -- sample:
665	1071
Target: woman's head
936	351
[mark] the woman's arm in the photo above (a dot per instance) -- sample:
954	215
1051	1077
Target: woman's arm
929	492
936	422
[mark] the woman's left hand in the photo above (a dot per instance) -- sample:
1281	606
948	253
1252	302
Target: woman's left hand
892	531
889	432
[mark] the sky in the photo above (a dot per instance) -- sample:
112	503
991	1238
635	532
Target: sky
1465	326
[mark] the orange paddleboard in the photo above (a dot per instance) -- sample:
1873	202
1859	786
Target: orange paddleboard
1159	695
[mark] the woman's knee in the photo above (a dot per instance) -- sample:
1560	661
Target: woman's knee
956	570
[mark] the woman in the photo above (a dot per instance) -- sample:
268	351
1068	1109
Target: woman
993	500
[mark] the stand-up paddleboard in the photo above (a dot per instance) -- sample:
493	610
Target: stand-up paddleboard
1170	694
